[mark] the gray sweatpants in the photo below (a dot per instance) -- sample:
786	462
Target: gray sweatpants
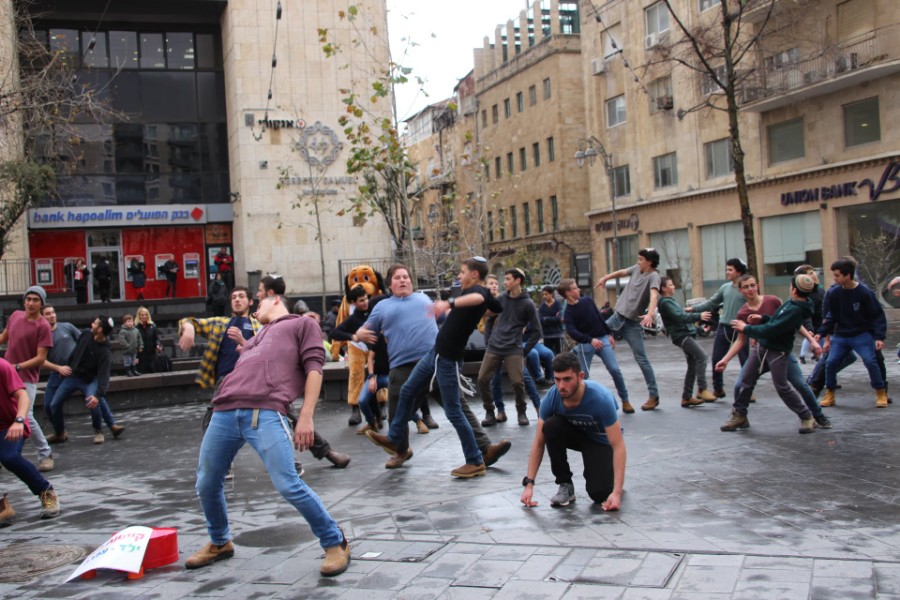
778	366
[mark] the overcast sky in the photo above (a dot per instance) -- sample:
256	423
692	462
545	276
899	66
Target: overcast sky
446	34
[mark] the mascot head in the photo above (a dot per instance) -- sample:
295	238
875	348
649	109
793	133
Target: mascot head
367	277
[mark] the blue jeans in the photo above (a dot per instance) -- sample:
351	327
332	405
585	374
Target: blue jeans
367	399
446	372
864	345
530	389
797	381
633	333
540	362
12	460
54	403
228	431
585	354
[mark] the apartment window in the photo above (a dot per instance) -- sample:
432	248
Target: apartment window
708	85
507	108
540	215
621	181
526	218
520	101
514	221
487	171
612	40
785	141
661	95
490	226
861	122
547	89
719	160
510	165
551	150
554	213
665	170
522	163
536	154
615	111
502	218
656	18
854	19
483	118
532	95
708	4
495	114
497	170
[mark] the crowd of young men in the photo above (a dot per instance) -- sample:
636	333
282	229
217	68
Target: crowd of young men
258	365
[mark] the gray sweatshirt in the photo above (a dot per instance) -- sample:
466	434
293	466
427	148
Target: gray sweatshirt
504	332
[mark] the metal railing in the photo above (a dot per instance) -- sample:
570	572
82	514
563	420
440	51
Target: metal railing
15	275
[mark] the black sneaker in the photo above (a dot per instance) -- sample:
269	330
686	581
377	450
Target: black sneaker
823	422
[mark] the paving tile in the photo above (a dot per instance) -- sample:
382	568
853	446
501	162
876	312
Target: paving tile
716	560
450	566
843	568
834	588
772	589
708	579
579	591
531	590
887	579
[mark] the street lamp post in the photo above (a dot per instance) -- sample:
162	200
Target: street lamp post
589	149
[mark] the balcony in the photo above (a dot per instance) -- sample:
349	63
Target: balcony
834	69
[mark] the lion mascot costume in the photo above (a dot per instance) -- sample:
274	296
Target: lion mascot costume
373	284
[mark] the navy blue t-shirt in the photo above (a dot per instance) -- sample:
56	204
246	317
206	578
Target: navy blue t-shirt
596	411
228	352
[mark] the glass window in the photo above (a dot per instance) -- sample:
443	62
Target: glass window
657	20
123	50
661	95
484	118
510	165
126	92
497	167
65	42
547	89
207	51
861	122
507	108
536	153
675	258
612	39
621	181
501	215
615	111
788	241
625	254
540	215
487	170
522	163
490	216
551	150
153	55
719	160
665	170
554	211
495	114
180	50
96	56
708	4
169	96
520	101
786	141
720	242
532	95
514	221
211	96
708	84
526	217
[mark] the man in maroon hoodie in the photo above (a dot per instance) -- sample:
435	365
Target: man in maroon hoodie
283	361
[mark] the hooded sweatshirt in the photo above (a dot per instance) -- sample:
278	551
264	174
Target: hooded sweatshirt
777	332
91	360
504	332
271	372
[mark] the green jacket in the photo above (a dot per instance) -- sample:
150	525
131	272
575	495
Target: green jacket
679	324
777	332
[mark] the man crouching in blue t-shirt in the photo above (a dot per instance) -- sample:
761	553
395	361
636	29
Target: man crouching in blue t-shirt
583	416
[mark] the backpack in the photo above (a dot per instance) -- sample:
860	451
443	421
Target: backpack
162	363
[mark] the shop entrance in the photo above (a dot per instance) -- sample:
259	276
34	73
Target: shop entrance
105	245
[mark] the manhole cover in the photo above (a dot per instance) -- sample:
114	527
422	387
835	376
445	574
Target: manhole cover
624	568
25	561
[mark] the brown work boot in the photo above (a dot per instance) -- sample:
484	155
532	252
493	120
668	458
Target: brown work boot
493	452
338	459
651	403
881	398
501	417
627	407
719	393
46	464
689	402
396	461
735	422
705	395
337	558
7	514
98	436
490	419
117	430
828	400
58	438
362	430
209	554
49	504
384	441
421	427
467	471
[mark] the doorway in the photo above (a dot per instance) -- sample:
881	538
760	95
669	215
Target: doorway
105	245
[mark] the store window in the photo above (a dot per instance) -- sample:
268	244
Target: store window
719	243
675	259
788	241
625	254
786	141
870	233
862	124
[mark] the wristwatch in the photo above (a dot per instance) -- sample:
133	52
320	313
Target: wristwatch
526	480
18	367
451	301
20	420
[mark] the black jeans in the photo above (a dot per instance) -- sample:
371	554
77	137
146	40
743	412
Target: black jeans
696	366
725	335
599	476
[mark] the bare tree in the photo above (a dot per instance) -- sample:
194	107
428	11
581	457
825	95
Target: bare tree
41	96
878	257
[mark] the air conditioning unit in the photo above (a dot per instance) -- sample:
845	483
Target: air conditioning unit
598	66
652	40
665	103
